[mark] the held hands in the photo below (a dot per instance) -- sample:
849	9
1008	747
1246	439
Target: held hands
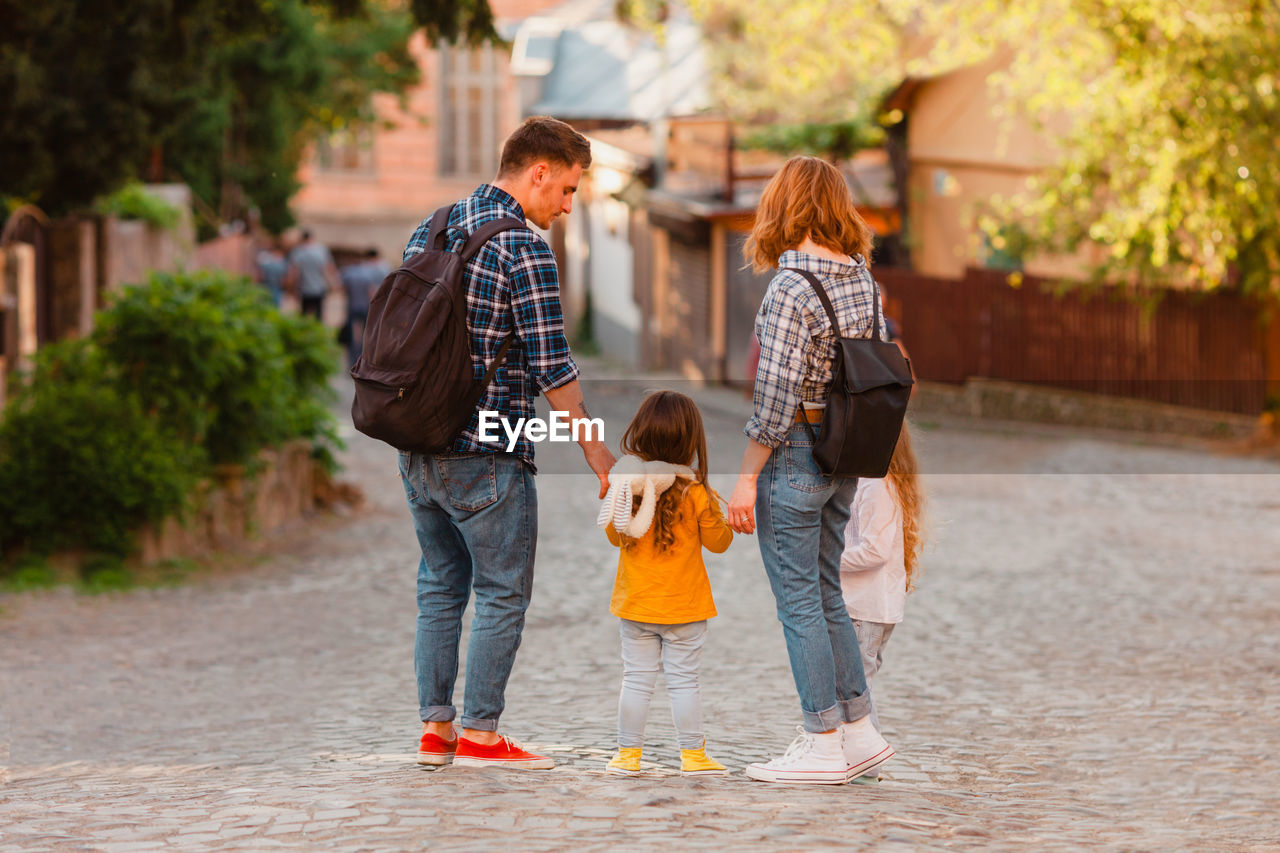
742	503
601	460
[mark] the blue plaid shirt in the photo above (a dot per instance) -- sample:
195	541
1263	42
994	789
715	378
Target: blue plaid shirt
797	343
512	284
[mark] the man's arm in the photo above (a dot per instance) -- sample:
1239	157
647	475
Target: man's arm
568	398
539	323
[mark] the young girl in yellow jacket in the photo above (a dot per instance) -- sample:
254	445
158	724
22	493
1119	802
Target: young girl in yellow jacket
661	513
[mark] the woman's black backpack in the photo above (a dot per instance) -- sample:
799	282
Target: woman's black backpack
866	401
414	381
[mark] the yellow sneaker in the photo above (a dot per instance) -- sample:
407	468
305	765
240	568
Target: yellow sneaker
695	762
626	762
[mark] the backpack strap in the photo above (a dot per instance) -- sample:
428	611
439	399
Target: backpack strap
475	241
485	232
816	284
439	224
477	238
830	309
483	385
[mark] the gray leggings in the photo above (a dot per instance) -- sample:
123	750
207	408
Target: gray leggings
872	637
675	649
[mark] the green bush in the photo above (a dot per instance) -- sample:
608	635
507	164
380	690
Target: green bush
105	573
219	364
30	571
181	374
82	463
311	352
134	202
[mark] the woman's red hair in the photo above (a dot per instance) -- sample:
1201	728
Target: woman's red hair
807	198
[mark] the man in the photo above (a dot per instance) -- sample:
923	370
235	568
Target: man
360	280
272	268
312	274
475	508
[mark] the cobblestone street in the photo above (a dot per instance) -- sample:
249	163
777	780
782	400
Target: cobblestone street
1091	661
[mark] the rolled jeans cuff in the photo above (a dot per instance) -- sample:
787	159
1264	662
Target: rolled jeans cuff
479	724
824	721
438	713
844	711
855	709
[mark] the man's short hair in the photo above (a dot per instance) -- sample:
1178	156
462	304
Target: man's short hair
371	252
543	138
306	234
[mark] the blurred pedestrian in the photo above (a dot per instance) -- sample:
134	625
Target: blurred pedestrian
311	274
807	221
272	268
360	280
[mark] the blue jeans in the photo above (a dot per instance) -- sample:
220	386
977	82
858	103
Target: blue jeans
476	516
800	520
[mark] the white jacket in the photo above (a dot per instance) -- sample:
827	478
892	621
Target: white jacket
873	574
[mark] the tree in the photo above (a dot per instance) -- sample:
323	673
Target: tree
1170	171
809	76
88	92
455	20
85	87
774	63
309	73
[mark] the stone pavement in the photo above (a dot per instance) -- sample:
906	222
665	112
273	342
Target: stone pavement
1090	662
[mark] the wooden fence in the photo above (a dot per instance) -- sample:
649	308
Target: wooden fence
1216	351
18	337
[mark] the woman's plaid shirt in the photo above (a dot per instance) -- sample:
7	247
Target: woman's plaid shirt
512	283
797	343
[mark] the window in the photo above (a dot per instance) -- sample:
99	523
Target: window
349	150
470	100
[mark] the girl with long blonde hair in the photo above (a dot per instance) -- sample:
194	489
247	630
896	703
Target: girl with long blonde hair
881	551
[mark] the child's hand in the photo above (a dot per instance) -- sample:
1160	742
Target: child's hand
742	505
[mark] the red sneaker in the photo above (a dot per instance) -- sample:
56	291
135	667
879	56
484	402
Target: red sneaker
505	753
435	750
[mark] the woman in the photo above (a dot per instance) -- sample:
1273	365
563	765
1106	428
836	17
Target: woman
807	220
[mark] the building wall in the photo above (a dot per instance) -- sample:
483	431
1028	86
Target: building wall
399	182
607	255
686	311
965	149
616	320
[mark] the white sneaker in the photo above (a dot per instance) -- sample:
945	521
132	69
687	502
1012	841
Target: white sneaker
812	759
864	749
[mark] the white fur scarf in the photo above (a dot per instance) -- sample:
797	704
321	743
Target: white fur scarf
632	476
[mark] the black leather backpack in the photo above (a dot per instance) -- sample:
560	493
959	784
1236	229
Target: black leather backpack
866	401
414	385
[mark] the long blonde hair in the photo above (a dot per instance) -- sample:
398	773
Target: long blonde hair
904	475
668	428
807	198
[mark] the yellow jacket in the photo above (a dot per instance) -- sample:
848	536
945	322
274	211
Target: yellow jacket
671	587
